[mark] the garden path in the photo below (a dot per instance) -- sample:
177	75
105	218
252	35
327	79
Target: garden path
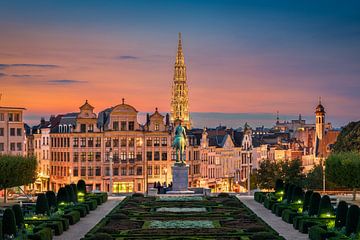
79	230
284	229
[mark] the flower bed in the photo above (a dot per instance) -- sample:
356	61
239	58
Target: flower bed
181	209
180	198
180	224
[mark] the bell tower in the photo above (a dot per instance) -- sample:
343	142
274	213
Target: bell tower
180	98
320	120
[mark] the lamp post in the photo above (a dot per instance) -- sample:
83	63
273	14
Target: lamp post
111	173
70	173
165	170
323	168
248	182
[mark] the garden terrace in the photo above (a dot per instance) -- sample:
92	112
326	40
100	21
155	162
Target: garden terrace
138	217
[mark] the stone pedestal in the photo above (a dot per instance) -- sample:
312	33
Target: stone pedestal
180	180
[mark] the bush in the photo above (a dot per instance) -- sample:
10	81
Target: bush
42	205
341	212
325	207
262	236
71	193
279	185
286	188
73	216
75	189
81	210
307	200
9	222
352	219
19	217
1	231
81	186
41	232
92	203
297	195
288	215
319	233
56	226
100	236
63	196
223	195
51	197
290	193
135	195
314	203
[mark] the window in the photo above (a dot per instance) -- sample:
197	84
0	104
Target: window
123	156
116	126
17	117
76	157
83	171
139	171
98	142
11	117
115	142
1	147
18	132
90	128
108	142
131	142
131	171
148	142
156	155
149	170
98	171
139	187
90	171
157	127
131	126
123	142
123	126
139	156
164	156
116	172
157	170
123	171
82	128
149	156
173	155
76	142
138	142
2	116
12	131
90	142
83	142
116	157
98	156
156	142
131	156
12	146
90	156
164	141
76	172
83	156
1	131
107	171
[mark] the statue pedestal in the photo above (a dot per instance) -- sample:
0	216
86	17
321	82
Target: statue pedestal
180	181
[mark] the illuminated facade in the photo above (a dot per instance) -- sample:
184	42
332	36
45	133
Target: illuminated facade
180	98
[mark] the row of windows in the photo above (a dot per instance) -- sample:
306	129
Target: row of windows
45	142
60	156
60	142
13	147
124	126
12	117
89	142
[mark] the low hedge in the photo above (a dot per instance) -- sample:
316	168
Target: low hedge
259	197
92	203
73	217
87	208
1	231
41	232
80	209
320	232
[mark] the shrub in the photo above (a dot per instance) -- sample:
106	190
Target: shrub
325	207
223	195
71	193
314	203
135	195
9	222
279	185
41	232
19	217
75	189
92	203
1	231
352	219
262	236
81	186
42	205
100	236
307	200
286	188
63	196
73	216
50	195
289	193
297	195
341	212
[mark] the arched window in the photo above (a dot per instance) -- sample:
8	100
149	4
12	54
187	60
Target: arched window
65	128
60	128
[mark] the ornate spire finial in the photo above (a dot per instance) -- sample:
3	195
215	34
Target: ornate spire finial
319	99
277	116
86	101
156	109
123	100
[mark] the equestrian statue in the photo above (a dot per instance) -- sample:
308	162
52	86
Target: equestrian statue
179	143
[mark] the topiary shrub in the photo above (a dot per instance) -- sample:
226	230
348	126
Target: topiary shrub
19	217
341	212
314	203
307	200
9	222
286	188
279	185
81	186
51	197
74	187
289	193
223	195
297	195
42	205
352	219
325	207
63	196
71	193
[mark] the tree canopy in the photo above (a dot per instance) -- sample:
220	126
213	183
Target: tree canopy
17	171
349	138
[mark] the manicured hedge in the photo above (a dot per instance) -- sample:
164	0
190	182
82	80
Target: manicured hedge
41	232
307	200
63	196
81	187
9	222
51	197
42	205
73	216
19	217
341	212
325	207
352	219
70	191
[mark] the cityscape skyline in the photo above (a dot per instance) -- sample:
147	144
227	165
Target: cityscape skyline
273	57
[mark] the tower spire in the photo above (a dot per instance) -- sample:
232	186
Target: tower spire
179	99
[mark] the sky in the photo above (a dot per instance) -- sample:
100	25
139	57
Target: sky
245	59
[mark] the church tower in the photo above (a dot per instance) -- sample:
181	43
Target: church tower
180	98
320	120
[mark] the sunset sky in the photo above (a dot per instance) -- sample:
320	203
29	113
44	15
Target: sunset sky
253	57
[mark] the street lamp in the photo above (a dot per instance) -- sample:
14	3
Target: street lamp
111	173
70	173
165	170
323	168
248	182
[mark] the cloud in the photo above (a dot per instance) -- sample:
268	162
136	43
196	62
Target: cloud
3	66
3	75
23	75
64	81
127	57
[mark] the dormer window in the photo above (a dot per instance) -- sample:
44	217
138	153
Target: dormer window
123	125
90	128
157	127
116	126
131	126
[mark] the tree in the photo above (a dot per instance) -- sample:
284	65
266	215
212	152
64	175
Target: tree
16	171
292	171
266	174
343	169
349	138
314	178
